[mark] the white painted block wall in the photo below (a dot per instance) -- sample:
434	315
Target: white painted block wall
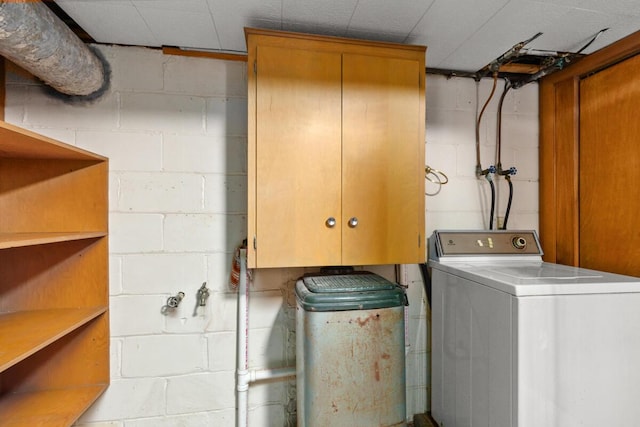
450	134
174	129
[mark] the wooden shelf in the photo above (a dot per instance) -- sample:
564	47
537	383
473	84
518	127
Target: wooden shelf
52	408
54	271
16	240
24	144
34	330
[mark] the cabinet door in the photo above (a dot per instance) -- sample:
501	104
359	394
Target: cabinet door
383	160
609	169
298	157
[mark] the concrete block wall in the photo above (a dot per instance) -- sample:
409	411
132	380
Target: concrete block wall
464	201
174	129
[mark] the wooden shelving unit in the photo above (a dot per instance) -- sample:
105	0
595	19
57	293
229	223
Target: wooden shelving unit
54	324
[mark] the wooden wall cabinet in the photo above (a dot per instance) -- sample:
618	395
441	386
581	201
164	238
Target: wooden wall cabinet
54	325
335	151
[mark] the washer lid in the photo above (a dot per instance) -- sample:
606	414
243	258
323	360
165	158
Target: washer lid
529	278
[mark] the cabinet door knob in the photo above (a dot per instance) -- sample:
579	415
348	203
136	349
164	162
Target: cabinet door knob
330	222
353	222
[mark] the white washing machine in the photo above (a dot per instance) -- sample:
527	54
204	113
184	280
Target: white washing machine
518	342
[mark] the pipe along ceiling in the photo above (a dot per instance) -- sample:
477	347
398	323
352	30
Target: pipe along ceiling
35	39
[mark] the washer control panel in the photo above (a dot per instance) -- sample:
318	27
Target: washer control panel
496	242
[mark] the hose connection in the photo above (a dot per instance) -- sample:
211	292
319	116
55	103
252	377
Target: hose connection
506	173
485	172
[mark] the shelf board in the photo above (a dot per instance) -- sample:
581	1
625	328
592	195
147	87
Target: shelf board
16	240
51	408
16	142
31	331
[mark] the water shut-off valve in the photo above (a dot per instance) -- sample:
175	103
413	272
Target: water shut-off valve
172	303
485	172
507	173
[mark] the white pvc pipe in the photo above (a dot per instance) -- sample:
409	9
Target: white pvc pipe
403	280
243	349
244	375
270	374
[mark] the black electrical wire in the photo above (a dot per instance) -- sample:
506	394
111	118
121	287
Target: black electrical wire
506	214
598	34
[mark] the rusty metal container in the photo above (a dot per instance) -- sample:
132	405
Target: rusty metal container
350	360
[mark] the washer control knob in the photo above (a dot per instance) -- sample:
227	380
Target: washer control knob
519	242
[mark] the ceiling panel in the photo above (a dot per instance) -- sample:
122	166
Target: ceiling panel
110	21
168	6
329	17
623	27
462	35
585	23
435	29
515	22
615	7
400	17
337	13
197	29
230	18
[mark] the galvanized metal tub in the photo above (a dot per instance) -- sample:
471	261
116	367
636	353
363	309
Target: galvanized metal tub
350	351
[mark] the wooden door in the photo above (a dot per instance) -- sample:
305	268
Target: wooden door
610	169
298	157
383	160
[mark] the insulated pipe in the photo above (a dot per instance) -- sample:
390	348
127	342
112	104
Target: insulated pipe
35	39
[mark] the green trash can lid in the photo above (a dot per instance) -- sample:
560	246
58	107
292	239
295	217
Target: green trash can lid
348	283
358	291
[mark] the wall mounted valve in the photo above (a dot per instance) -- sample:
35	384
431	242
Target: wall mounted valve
506	172
201	298
172	303
485	172
512	171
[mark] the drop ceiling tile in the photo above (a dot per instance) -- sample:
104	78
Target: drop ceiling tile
459	34
325	29
195	6
573	30
110	21
230	18
624	26
393	19
329	17
182	28
617	7
515	22
448	24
